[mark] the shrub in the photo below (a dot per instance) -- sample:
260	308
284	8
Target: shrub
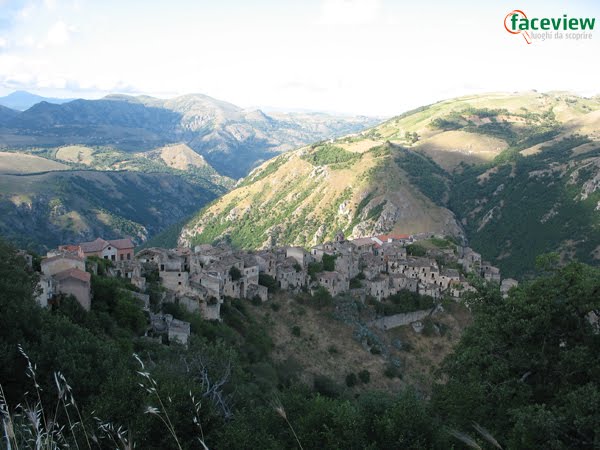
326	386
235	273
268	281
329	262
351	380
275	306
364	376
392	372
296	330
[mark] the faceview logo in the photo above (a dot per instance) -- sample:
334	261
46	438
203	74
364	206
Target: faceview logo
517	22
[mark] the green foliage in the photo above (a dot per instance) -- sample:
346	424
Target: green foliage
425	174
416	250
313	269
351	380
530	214
327	387
526	369
329	262
296	331
268	281
235	273
321	297
330	154
411	137
364	376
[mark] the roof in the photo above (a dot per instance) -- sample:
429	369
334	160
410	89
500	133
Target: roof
393	237
69	248
63	256
93	246
362	241
100	244
73	273
329	275
121	244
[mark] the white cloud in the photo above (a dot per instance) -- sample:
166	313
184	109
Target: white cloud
58	34
3	42
349	12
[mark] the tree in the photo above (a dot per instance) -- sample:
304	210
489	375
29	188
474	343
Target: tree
329	262
527	368
235	273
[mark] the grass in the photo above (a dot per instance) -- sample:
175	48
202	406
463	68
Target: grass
19	163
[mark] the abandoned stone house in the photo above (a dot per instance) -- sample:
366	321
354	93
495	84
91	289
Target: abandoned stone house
490	273
302	257
288	277
334	282
64	274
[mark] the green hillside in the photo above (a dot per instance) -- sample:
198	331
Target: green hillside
41	211
519	172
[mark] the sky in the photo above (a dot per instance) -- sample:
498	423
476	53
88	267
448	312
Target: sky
372	57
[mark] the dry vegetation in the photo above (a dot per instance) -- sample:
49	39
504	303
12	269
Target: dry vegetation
15	163
320	345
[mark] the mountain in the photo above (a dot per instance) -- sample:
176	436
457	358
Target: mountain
72	193
231	139
515	174
22	100
306	196
43	210
6	114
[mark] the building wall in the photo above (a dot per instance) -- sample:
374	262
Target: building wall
60	265
79	289
175	281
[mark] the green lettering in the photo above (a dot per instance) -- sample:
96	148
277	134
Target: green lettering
532	23
523	24
585	23
556	23
564	22
573	24
545	24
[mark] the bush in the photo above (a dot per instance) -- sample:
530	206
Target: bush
416	250
296	330
326	386
329	262
275	306
235	273
322	297
268	281
364	376
351	380
392	372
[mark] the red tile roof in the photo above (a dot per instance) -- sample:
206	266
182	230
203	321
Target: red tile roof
393	237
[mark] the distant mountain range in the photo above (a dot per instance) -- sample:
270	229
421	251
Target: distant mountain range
231	139
517	175
22	100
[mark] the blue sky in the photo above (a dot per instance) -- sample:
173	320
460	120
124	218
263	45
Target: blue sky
377	57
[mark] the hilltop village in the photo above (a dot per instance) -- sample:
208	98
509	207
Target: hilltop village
200	279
